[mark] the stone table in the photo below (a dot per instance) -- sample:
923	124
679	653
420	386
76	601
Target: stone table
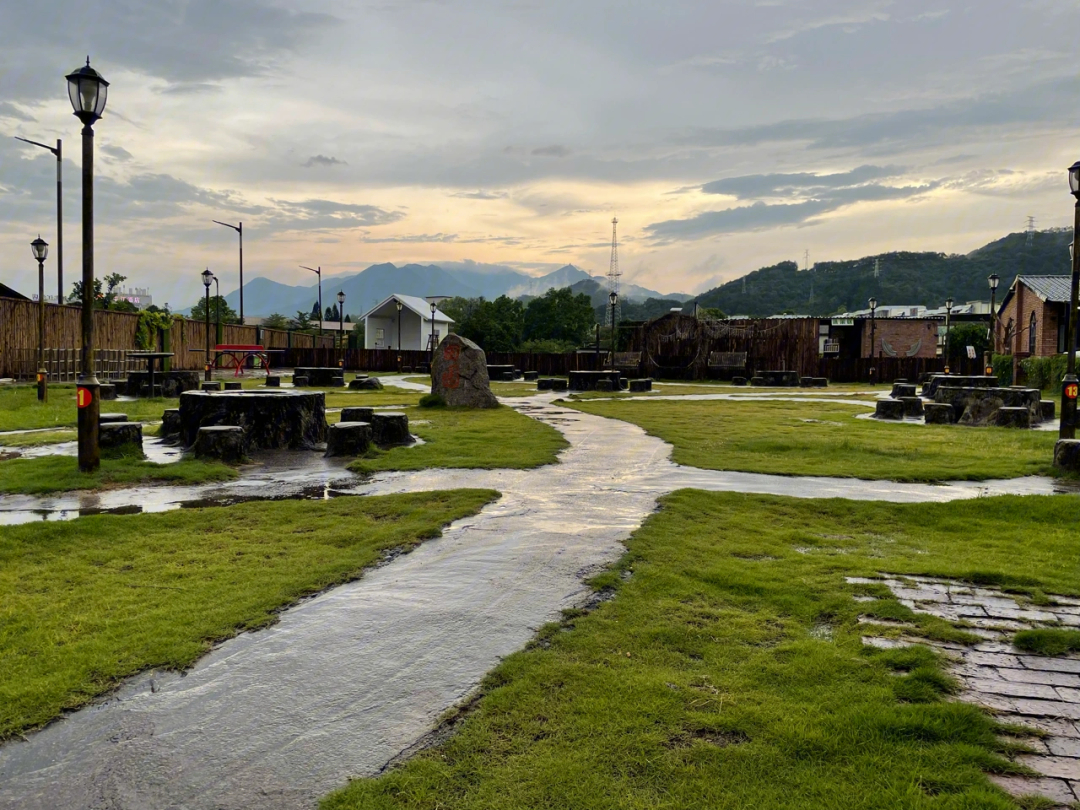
271	419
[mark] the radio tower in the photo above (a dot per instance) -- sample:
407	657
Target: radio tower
613	275
1030	232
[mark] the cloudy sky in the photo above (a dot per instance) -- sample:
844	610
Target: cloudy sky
725	135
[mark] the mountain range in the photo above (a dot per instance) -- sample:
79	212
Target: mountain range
263	296
900	278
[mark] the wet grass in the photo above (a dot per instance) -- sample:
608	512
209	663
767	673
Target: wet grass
490	438
20	410
46	474
1049	641
727	671
86	603
825	439
37	439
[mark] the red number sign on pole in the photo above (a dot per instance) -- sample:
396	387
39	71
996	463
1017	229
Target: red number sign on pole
83	397
1071	390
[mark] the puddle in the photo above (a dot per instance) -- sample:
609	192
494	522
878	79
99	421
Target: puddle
351	678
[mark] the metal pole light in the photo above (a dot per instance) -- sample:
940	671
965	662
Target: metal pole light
317	271
873	326
207	277
432	357
58	150
399	306
240	232
948	330
613	298
992	280
219	334
40	249
88	91
1067	428
341	324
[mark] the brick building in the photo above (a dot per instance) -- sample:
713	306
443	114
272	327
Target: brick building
900	337
1032	318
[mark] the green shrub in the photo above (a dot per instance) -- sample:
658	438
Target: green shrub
432	401
1048	642
1003	368
1044	373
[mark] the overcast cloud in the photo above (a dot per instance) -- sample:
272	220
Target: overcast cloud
725	134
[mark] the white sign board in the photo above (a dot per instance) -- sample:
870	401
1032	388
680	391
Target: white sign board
971	352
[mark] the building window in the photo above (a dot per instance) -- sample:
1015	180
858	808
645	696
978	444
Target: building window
1010	333
1031	334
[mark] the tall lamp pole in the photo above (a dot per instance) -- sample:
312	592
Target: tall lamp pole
219	334
240	232
399	306
613	299
341	324
1067	429
40	249
434	306
992	280
948	330
58	150
207	277
317	271
88	90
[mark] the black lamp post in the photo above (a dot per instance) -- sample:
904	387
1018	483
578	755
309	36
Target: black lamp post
873	326
58	151
41	249
341	324
433	308
993	281
219	334
1067	429
207	277
240	232
399	306
317	271
948	330
88	91
613	299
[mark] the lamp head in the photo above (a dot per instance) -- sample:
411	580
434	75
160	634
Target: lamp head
1074	179
613	298
341	297
873	304
399	305
40	248
207	277
948	303
993	279
87	90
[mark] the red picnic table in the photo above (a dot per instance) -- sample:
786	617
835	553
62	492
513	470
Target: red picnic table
235	355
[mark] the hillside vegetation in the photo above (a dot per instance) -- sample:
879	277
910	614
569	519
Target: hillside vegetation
902	278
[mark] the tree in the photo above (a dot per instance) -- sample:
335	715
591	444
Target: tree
315	314
559	315
331	313
302	321
964	334
105	296
276	321
228	314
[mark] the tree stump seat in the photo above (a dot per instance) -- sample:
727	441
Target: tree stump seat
111	418
222	442
640	386
214	385
389	429
889	409
357	414
348	439
938	413
118	434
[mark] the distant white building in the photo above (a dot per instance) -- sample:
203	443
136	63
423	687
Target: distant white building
414	319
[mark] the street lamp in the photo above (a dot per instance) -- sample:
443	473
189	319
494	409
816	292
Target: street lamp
240	232
613	298
399	306
207	277
433	307
993	279
948	329
341	324
1067	428
317	271
58	150
88	91
219	333
873	326
40	249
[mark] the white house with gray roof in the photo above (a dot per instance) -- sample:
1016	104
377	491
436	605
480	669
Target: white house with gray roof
404	322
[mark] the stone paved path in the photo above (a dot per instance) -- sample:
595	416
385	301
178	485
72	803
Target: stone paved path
1040	692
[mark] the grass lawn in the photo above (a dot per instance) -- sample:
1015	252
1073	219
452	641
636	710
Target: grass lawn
785	438
728	672
463	437
38	438
390	395
86	603
45	474
20	410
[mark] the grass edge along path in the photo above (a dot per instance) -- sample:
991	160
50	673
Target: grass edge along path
87	603
48	474
728	671
825	439
470	438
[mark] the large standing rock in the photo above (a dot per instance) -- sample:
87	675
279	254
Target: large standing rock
348	439
388	429
365	384
222	442
282	419
459	374
357	414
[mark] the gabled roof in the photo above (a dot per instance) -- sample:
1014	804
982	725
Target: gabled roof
7	292
1052	289
417	305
